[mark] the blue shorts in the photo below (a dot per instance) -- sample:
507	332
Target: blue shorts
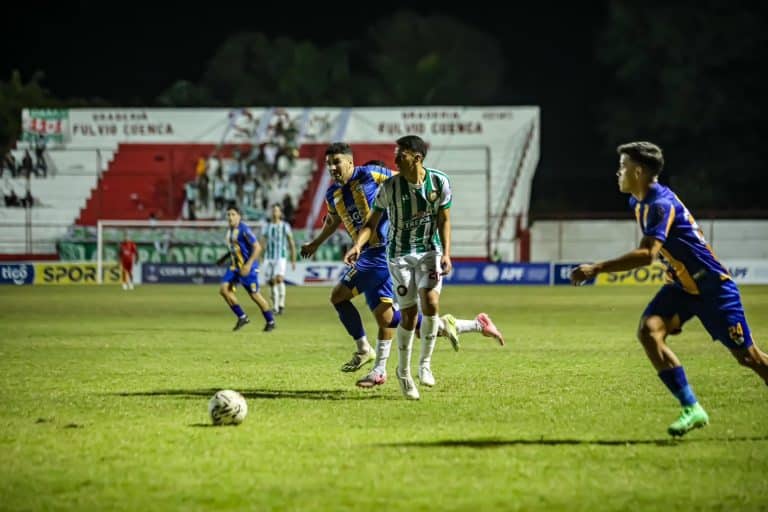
370	276
718	307
249	282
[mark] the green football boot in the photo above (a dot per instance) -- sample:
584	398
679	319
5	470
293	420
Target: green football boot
692	416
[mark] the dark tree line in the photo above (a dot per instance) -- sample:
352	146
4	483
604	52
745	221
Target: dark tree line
684	76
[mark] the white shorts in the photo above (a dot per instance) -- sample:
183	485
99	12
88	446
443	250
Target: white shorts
413	272
274	268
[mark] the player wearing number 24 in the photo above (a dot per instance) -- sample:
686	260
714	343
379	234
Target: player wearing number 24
699	284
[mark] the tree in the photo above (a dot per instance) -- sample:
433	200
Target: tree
432	60
249	69
16	95
689	79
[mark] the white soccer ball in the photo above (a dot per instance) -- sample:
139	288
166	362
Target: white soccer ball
227	407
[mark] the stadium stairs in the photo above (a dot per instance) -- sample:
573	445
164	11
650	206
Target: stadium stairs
72	174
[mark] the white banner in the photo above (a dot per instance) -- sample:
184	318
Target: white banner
490	126
748	271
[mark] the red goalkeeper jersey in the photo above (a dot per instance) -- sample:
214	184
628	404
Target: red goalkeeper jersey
127	253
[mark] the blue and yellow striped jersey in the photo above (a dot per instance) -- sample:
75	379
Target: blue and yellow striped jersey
685	251
240	242
353	202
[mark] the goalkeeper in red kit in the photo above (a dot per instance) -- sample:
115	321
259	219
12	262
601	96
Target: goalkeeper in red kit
128	256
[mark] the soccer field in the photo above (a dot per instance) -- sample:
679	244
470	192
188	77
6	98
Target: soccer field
104	407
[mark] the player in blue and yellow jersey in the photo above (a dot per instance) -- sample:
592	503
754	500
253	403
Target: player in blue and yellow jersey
349	200
699	284
243	256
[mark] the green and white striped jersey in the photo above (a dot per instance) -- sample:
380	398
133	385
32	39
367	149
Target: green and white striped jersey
276	239
413	212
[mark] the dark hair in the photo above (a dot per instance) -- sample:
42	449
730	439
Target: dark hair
233	206
647	154
380	163
413	143
338	147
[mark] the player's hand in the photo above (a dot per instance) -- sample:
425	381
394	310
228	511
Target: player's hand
583	273
446	265
352	255
293	265
245	270
308	249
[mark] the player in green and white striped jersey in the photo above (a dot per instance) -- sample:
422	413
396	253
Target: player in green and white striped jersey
418	201
277	240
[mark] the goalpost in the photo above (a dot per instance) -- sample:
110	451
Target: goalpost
163	241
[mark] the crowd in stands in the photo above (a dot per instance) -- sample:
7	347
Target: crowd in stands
253	177
11	168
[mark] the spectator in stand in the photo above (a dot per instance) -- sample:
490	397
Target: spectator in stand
9	163
26	164
288	209
191	192
41	166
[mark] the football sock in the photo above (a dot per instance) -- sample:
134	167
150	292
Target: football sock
428	336
268	316
382	354
237	310
350	318
468	326
677	383
281	292
404	347
275	296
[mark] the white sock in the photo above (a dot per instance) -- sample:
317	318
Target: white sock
468	326
363	345
429	326
275	298
382	354
281	291
404	348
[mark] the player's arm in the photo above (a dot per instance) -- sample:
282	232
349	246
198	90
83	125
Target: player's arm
292	248
255	253
223	259
363	236
331	224
644	255
444	229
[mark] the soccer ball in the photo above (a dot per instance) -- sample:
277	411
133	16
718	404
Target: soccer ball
227	407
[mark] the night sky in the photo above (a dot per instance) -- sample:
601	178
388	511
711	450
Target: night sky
81	47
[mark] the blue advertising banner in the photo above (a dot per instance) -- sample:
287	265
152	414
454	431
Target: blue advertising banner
17	273
561	275
180	273
499	273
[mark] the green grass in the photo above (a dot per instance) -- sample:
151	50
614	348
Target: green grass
104	397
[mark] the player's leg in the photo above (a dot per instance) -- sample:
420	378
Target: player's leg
280	278
722	315
227	292
269	277
341	299
251	283
665	315
429	283
124	275
402	272
379	295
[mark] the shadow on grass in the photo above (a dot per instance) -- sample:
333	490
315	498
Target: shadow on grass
498	443
294	394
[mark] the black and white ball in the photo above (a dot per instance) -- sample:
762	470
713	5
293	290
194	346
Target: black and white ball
227	407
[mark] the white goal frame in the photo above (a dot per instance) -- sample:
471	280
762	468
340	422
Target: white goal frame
110	223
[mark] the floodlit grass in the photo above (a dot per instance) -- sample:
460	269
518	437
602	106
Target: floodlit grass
104	397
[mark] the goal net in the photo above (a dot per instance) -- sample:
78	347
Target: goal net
197	242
